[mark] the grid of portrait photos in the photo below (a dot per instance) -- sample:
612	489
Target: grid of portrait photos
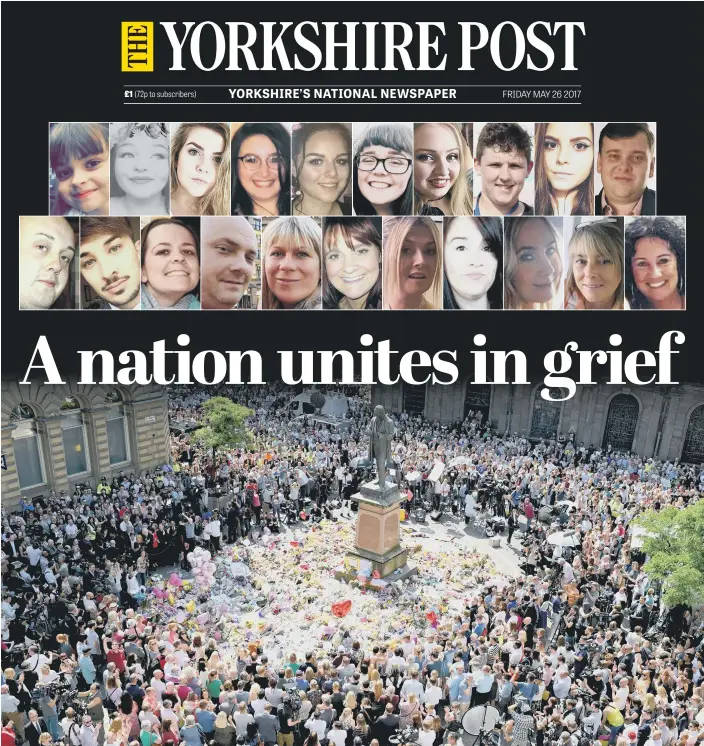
351	216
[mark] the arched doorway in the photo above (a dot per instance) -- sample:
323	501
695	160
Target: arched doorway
414	399
477	399
693	449
26	442
621	422
545	422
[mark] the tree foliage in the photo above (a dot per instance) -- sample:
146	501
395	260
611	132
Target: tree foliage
223	425
674	544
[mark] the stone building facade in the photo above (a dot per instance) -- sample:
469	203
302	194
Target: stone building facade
54	437
663	422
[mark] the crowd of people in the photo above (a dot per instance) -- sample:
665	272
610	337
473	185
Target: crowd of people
577	649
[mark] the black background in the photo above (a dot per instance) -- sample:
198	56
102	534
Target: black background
61	62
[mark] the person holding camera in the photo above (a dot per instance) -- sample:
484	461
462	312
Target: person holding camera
523	723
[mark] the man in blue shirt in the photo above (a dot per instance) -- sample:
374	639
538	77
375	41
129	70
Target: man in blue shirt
87	667
206	719
455	681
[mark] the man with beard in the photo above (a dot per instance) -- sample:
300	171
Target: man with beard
110	262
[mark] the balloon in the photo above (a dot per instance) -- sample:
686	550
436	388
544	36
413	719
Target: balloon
341	608
174	579
202	618
172	600
217	635
191	606
190	556
180	617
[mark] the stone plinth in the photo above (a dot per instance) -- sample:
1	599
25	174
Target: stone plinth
378	537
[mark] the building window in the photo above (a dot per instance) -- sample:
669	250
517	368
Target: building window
621	422
545	422
69	404
414	399
477	399
693	451
113	397
74	439
27	447
118	444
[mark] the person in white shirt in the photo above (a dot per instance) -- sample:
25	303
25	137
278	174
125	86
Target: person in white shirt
656	738
215	532
35	660
71	729
622	694
433	691
413	685
157	683
9	705
567	572
180	656
338	735
132	583
316	724
205	535
33	554
562	685
396	661
89	604
146	715
516	654
407	646
89	732
426	735
258	705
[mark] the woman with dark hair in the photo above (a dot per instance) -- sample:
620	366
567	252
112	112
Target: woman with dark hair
79	158
655	263
352	263
383	161
170	265
261	176
473	262
564	168
321	168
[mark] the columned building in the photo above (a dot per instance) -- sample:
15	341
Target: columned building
662	422
54	437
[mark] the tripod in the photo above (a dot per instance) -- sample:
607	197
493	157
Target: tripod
479	723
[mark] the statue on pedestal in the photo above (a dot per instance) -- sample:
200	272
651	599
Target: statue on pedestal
381	431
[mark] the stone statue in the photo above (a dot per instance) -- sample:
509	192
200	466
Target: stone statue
381	431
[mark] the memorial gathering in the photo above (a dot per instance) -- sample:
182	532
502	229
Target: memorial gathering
313	569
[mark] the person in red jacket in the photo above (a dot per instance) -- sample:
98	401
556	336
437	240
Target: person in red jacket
528	511
8	738
117	656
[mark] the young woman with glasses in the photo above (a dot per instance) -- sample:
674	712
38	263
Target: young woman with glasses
383	170
261	177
